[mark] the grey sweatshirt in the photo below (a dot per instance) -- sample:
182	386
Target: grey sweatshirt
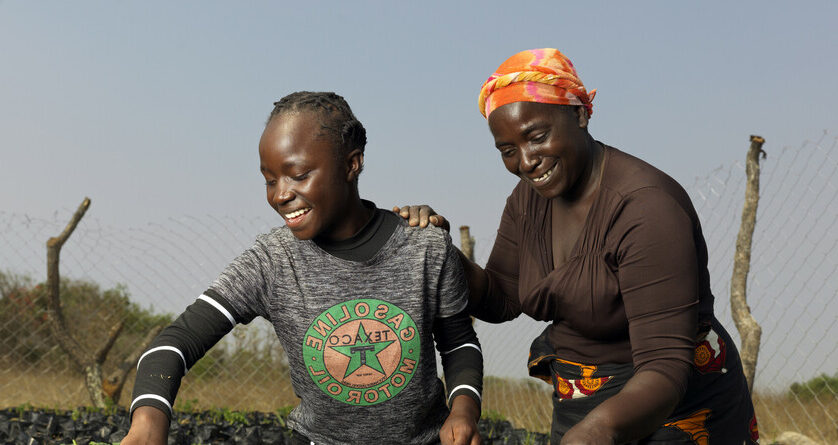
358	335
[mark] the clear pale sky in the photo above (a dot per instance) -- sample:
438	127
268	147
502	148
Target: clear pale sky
154	109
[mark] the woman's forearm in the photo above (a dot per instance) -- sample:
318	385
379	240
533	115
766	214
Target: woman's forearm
639	409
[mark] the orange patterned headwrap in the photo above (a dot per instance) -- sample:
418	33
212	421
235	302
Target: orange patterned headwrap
537	75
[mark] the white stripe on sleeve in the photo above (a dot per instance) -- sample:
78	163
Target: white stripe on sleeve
479	397
465	345
152	396
165	348
220	308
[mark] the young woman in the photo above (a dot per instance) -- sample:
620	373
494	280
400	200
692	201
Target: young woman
356	297
610	250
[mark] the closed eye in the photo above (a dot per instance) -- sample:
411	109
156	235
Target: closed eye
506	149
540	137
301	177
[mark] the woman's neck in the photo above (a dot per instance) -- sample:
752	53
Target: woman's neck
588	182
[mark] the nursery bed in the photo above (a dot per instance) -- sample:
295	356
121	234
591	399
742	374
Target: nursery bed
85	426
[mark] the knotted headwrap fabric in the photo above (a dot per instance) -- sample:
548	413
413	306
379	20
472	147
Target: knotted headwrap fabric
536	75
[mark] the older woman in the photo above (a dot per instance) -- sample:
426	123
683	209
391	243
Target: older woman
610	250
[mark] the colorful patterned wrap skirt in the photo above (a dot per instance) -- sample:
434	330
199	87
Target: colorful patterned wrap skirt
716	408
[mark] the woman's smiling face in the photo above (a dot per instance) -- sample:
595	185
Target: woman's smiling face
306	180
546	145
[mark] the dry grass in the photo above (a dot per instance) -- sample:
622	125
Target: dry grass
525	403
264	392
816	418
65	390
49	389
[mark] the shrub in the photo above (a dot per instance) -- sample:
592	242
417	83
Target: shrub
88	310
817	387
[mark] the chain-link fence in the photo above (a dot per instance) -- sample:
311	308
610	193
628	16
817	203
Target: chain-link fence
141	273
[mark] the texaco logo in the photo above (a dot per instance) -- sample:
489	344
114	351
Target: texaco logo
362	352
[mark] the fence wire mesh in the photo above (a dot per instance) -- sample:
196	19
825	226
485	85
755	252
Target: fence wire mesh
147	273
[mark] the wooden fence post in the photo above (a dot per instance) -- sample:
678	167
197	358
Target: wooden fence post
466	242
749	330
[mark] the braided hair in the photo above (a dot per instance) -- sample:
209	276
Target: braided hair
336	118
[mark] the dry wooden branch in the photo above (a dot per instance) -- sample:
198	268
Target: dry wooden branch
90	364
57	323
102	353
466	242
749	330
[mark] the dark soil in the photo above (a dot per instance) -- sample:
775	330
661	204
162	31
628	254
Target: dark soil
84	426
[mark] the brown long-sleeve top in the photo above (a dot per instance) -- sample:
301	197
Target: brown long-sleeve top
636	286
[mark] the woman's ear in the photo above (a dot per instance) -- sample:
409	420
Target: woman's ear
582	116
354	164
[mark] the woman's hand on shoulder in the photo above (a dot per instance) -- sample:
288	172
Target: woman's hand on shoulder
460	428
421	215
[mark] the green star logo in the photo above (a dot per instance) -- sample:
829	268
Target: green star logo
363	353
